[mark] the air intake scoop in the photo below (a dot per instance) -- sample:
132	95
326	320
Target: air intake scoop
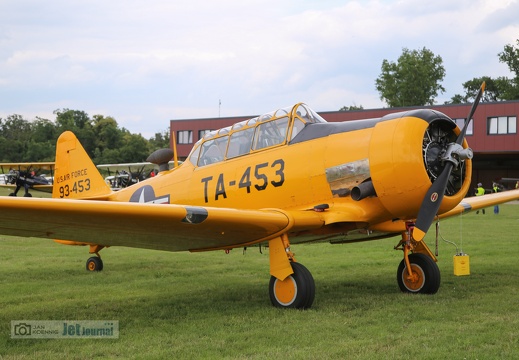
161	157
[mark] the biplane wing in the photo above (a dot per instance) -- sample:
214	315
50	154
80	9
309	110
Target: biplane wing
127	174
130	166
47	166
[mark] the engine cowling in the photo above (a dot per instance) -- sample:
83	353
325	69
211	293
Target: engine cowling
405	156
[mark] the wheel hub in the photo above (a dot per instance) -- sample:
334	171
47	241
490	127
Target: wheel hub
285	291
416	280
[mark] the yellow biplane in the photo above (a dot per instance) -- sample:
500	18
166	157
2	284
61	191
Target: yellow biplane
286	177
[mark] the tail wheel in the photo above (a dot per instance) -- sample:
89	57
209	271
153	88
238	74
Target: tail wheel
425	277
94	264
296	291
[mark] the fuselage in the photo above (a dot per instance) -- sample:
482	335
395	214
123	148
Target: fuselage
291	159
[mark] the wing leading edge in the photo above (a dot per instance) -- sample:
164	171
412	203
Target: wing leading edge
480	202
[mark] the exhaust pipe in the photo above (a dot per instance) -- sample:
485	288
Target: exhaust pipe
363	190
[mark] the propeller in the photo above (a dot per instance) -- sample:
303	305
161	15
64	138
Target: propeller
434	196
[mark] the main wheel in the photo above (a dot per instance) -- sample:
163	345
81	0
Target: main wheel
94	264
296	291
425	278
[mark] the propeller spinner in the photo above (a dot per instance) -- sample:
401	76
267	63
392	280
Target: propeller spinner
452	157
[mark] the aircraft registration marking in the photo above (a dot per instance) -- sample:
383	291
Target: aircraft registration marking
78	186
261	172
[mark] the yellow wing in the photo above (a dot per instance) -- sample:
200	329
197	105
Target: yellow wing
151	226
480	202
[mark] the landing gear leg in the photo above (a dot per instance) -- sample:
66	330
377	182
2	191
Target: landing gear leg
291	284
418	271
95	263
15	193
27	193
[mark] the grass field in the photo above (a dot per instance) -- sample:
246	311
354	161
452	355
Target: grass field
213	305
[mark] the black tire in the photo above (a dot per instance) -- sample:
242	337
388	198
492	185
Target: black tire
94	264
427	271
299	289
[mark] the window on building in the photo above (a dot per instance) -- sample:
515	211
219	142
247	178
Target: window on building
502	125
461	123
185	137
201	133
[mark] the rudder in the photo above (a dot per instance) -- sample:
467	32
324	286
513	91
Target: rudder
75	175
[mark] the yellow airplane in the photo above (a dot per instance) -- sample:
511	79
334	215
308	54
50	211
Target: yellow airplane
27	175
286	177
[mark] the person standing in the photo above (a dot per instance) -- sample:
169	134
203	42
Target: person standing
480	191
495	188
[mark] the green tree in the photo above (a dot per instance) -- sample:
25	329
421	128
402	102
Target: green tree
108	134
492	91
510	56
16	131
134	148
414	80
42	146
351	108
43	130
108	156
159	141
80	124
498	89
510	87
39	151
102	138
457	99
15	127
4	146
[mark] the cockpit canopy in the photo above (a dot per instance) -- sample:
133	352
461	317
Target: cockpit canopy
272	129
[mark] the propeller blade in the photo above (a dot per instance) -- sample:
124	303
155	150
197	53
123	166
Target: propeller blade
461	136
431	203
434	196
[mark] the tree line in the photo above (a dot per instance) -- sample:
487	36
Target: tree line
104	141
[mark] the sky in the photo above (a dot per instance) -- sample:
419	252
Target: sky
145	63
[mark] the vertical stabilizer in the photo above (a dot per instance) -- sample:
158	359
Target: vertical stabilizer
75	175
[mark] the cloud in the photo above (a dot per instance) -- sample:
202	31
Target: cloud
145	63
